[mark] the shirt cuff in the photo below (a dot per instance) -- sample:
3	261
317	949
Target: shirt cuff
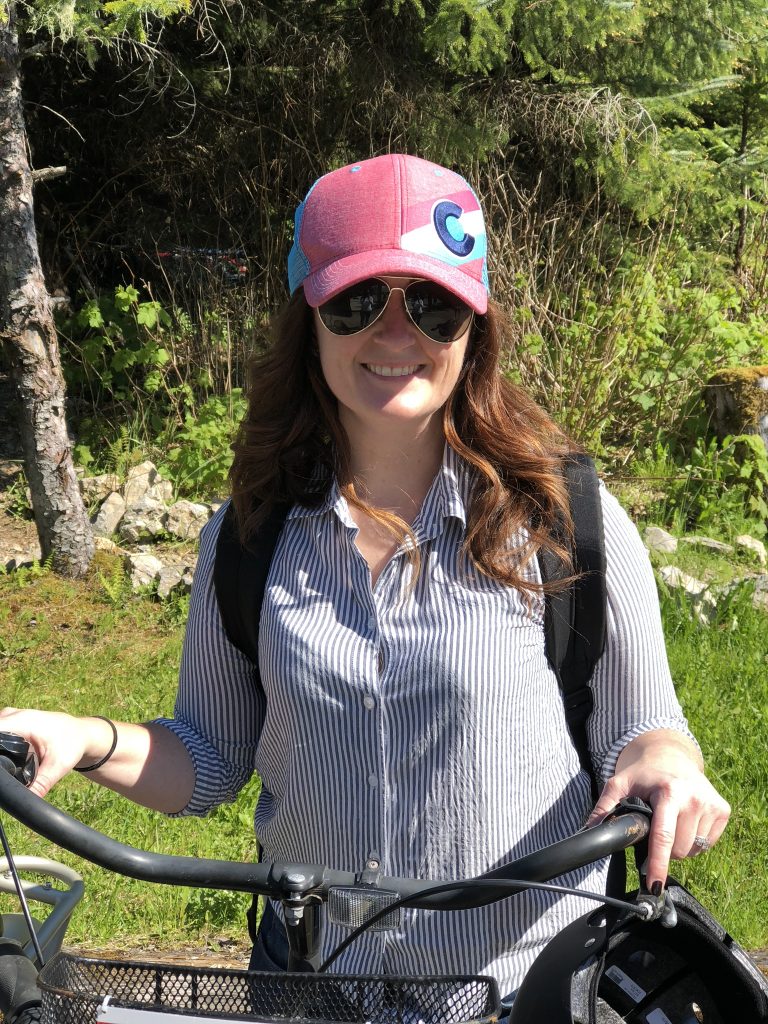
217	780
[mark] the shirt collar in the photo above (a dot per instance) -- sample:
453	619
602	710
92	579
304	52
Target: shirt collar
329	502
448	497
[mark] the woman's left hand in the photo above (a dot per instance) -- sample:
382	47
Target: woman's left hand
664	768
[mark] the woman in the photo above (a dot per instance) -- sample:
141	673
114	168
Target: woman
408	716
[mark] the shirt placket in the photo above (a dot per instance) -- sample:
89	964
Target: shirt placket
376	852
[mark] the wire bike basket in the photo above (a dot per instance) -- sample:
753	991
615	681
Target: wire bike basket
84	990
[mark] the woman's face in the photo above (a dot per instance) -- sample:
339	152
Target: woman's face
390	373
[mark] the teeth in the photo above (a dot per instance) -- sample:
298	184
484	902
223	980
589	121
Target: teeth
392	371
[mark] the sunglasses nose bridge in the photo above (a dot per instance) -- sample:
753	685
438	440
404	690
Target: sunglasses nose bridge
400	305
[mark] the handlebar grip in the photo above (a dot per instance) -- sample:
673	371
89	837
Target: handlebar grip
17	758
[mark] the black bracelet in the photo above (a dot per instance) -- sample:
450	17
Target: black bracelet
109	753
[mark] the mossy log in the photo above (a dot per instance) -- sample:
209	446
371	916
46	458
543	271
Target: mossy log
737	401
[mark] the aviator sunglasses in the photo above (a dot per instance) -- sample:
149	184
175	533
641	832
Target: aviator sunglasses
439	314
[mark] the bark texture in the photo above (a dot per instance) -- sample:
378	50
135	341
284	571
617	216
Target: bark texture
28	336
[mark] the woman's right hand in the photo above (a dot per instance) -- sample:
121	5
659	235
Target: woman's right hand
60	741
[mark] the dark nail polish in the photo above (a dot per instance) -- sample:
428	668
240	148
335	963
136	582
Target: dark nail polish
656	888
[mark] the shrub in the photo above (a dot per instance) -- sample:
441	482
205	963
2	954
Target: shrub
200	456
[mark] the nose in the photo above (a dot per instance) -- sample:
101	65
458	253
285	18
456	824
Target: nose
394	326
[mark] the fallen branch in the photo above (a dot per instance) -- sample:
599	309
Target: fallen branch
47	174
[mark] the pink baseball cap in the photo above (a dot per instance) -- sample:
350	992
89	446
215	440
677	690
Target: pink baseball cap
391	215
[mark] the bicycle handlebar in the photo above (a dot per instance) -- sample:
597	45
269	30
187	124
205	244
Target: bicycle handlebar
283	880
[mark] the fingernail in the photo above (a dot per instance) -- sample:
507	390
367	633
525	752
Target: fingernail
656	888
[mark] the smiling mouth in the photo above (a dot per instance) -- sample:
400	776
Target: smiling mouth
393	371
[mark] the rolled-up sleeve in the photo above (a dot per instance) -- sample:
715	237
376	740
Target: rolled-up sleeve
219	710
632	685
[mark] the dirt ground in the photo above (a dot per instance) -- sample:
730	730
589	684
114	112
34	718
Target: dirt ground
224	954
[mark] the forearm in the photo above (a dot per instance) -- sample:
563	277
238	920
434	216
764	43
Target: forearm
150	765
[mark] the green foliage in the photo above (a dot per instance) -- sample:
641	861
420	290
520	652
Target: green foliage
115	583
721	488
199	458
215	909
16	499
98	21
114	346
620	354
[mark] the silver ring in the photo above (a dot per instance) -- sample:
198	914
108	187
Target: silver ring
701	843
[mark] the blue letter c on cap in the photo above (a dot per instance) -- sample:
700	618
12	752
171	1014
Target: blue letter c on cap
458	246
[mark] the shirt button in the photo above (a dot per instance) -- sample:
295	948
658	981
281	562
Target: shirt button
373	780
368	701
372	624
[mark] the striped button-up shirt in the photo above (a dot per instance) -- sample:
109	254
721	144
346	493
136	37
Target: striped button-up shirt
418	724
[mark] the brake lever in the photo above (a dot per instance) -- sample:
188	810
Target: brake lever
17	758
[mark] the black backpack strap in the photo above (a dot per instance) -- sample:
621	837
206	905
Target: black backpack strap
575	618
240	578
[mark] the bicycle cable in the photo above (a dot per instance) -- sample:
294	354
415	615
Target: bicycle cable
22	897
515	885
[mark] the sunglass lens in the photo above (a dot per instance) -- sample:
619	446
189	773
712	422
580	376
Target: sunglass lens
355	308
438	313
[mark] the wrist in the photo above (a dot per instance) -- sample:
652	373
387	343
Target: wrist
102	750
659	743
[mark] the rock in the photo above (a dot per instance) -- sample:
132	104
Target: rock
18	557
703	601
756	547
143	523
109	515
144	569
215	505
161	491
97	488
758	583
760	596
144	478
709	544
174	577
659	540
186	519
105	544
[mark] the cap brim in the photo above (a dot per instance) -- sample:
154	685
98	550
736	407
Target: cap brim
323	284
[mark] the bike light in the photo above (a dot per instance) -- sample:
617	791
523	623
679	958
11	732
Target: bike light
352	907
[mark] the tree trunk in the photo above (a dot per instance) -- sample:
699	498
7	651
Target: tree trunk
28	336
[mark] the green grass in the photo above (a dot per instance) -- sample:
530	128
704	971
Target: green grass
91	648
721	674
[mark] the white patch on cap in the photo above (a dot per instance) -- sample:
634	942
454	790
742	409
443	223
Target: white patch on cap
426	241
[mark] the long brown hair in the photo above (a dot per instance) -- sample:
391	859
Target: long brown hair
291	445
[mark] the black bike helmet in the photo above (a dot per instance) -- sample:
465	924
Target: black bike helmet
609	967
